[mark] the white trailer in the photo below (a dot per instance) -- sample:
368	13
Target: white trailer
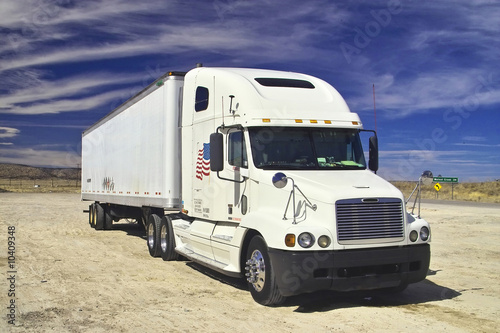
254	173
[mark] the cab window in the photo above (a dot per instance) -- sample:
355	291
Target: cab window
237	155
201	100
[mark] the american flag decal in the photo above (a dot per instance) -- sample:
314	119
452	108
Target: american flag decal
203	162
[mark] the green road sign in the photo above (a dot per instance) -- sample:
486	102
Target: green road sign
446	179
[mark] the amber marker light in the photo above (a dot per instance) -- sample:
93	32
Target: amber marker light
290	240
298	121
266	120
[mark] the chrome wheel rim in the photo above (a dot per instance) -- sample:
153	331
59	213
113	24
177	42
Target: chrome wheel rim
163	238
256	270
151	239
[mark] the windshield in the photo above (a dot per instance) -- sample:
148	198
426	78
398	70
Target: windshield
306	148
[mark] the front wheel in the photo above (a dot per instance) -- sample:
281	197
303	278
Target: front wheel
260	274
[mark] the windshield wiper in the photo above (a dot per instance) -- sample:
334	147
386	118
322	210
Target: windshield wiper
341	166
274	166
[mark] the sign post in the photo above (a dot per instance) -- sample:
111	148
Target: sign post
445	179
437	187
452	180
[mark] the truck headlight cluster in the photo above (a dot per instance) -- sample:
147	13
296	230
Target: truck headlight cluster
306	240
424	234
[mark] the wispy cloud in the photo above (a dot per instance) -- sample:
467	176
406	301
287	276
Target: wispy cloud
60	57
48	89
235	27
113	98
478	145
72	93
39	157
435	54
8	132
474	138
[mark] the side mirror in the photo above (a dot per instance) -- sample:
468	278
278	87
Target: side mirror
216	152
427	178
279	180
373	154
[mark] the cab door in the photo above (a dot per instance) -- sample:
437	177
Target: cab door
224	237
237	160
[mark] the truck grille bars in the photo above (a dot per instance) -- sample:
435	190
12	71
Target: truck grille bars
364	221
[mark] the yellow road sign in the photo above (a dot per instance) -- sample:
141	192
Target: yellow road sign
437	186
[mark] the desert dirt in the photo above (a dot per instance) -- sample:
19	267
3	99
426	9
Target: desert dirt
71	278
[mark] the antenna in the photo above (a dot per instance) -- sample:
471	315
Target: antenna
374	107
231	105
222	111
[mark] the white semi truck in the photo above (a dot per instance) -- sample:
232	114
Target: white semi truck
254	173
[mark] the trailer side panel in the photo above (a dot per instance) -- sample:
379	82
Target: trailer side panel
132	156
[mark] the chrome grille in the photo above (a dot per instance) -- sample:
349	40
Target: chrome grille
362	221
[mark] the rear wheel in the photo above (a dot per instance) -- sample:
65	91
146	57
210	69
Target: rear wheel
98	217
108	219
167	241
260	275
92	215
153	235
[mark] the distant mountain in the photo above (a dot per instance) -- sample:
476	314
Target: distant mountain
18	171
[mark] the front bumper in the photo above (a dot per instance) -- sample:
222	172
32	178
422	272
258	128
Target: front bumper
346	270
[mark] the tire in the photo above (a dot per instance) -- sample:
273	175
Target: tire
167	240
153	235
98	217
91	216
108	220
260	274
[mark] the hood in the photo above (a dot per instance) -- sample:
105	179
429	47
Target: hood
330	186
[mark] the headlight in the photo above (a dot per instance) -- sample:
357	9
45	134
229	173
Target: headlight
324	241
424	233
305	240
413	236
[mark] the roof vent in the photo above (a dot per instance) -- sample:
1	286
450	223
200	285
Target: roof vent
284	83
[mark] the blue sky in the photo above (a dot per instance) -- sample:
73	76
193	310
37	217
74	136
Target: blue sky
64	64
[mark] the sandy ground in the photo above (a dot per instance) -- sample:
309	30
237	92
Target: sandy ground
71	278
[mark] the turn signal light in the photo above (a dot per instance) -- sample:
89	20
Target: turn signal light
290	240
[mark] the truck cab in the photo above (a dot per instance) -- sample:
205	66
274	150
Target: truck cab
254	173
277	187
